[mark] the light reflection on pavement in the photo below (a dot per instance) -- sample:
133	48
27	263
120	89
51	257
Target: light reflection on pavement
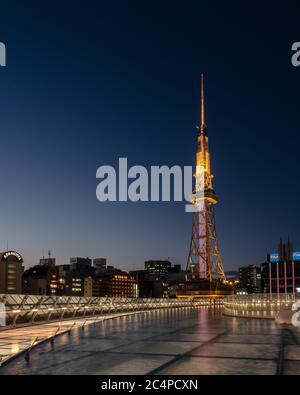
174	341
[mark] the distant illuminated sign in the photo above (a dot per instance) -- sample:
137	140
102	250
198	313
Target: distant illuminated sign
274	256
15	254
296	256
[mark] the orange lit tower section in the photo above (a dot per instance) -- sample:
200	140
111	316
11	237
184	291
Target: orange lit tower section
204	261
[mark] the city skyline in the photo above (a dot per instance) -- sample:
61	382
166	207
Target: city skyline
149	210
63	115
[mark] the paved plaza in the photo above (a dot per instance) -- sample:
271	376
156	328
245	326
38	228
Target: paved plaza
15	341
174	341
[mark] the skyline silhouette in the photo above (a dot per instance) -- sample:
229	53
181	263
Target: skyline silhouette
84	87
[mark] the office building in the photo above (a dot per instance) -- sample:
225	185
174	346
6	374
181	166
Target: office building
99	264
118	285
48	261
281	271
157	270
11	270
92	287
80	264
74	284
41	280
249	279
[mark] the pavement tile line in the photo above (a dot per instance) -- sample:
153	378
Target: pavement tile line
178	357
213	340
286	334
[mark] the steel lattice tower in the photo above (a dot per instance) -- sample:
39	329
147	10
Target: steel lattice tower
204	261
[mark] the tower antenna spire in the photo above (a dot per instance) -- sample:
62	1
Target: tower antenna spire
202	104
204	260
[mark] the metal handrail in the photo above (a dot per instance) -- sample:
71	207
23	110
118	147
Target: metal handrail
32	309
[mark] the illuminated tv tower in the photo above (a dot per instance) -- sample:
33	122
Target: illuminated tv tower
204	261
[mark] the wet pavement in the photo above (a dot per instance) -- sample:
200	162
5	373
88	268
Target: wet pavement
14	341
174	341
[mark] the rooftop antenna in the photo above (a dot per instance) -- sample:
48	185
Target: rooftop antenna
49	254
202	101
202	120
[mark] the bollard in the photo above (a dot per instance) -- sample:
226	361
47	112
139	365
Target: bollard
27	355
83	325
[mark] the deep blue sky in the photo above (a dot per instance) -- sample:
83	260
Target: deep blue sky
88	82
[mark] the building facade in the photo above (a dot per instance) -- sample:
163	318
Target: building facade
47	261
281	271
79	264
250	279
115	284
157	270
11	270
74	284
41	280
100	264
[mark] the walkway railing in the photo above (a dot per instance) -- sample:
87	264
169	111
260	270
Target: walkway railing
31	309
257	305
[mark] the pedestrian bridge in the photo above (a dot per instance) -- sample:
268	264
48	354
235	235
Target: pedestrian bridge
26	310
28	320
113	336
259	305
33	309
169	341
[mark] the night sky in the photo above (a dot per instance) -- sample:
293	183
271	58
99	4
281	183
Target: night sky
88	82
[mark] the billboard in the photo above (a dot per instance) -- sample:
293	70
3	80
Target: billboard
5	256
274	256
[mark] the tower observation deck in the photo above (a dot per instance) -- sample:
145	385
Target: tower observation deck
204	266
